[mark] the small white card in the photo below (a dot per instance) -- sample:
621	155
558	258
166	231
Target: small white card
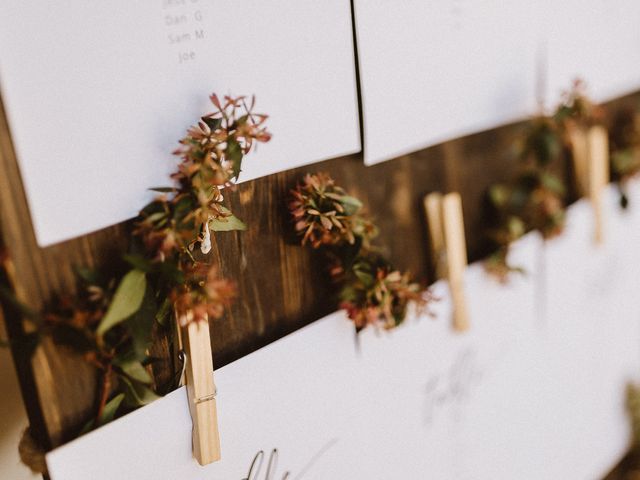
431	71
595	40
98	94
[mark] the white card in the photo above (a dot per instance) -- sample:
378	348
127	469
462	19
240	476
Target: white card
431	71
98	94
591	333
595	40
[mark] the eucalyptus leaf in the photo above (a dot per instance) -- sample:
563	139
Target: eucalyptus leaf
553	183
138	262
163	189
212	123
349	200
163	312
137	394
110	409
499	195
89	276
234	154
141	324
108	414
227	224
183	208
126	301
365	277
136	371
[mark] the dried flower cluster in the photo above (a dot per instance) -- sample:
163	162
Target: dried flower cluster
110	322
325	215
535	199
576	110
183	216
372	291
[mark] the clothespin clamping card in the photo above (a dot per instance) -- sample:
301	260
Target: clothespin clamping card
448	249
590	149
201	390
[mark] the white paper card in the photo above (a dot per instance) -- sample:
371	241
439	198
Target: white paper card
595	40
431	71
527	393
98	94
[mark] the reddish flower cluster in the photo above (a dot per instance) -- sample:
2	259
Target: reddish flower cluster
183	216
372	291
383	299
325	215
204	295
211	158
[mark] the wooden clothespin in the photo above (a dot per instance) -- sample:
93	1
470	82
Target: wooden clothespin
201	391
448	248
590	148
580	158
598	175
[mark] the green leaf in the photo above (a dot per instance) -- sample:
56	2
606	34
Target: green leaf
516	227
137	394
89	276
163	313
108	414
234	154
366	278
351	204
171	274
135	371
138	262
110	409
213	123
126	301
499	195
163	189
227	224
553	183
141	324
183	208
349	200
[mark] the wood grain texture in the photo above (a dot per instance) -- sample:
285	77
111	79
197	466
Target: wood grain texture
282	286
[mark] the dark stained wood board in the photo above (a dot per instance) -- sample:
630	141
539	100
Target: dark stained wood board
282	286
